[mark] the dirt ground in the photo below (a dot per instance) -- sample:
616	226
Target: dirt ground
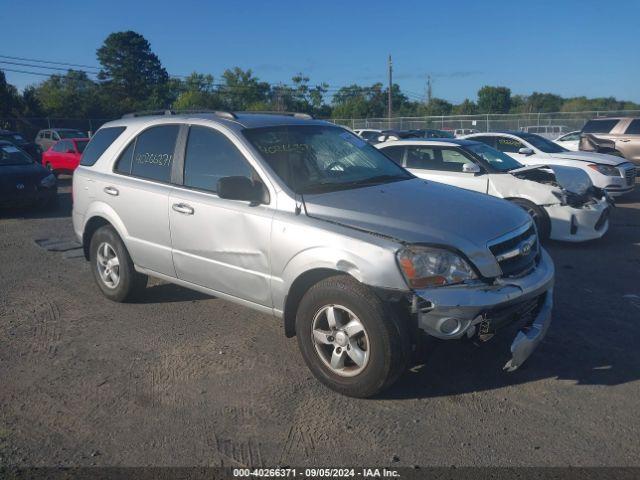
183	379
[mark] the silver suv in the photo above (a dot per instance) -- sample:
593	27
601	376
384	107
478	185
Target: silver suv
306	221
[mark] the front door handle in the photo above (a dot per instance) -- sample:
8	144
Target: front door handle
625	140
111	191
182	208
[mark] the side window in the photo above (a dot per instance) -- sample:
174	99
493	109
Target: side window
453	160
424	158
98	144
210	155
599	126
153	154
634	127
570	137
47	135
394	153
55	135
508	145
59	147
491	141
123	165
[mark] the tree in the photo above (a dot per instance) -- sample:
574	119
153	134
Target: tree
241	89
197	91
73	95
438	106
9	98
131	73
494	99
467	107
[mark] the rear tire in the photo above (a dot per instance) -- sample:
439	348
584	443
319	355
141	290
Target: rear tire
538	215
112	266
366	349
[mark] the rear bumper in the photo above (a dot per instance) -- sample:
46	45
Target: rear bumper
570	224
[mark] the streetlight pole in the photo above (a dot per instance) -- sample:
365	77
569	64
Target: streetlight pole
389	93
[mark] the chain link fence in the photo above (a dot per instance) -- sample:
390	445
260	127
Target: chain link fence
30	126
568	121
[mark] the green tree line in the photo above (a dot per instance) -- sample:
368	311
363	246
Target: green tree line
132	78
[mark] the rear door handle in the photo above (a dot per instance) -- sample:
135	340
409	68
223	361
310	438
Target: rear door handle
182	208
111	191
624	140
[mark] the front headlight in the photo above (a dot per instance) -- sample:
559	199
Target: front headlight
433	267
607	170
48	181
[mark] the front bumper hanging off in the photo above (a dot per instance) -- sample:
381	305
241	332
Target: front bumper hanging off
481	310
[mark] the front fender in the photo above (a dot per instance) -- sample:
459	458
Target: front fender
372	266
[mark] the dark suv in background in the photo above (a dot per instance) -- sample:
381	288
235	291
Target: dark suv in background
616	136
32	149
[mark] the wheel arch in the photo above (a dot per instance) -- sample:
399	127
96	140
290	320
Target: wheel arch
100	215
298	288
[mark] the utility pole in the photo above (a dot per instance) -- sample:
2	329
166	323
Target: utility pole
390	84
429	91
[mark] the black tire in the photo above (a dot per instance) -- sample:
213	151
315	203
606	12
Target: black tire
539	216
130	283
388	338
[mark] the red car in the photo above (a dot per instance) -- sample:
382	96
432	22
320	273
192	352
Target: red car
64	156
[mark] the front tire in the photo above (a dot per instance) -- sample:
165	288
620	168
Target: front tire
538	215
349	338
112	267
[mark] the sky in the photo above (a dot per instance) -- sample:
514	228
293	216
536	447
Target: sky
570	47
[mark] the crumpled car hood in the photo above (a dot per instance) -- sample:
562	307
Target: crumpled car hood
569	178
420	211
592	157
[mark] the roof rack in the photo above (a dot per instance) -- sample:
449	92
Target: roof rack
304	116
144	113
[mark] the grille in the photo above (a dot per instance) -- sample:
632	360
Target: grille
513	258
630	175
498	318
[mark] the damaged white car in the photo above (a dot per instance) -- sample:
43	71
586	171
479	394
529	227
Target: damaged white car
562	200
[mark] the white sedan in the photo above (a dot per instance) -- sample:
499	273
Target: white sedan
570	141
609	172
561	200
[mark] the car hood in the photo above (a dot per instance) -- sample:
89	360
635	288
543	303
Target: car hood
420	211
590	157
27	171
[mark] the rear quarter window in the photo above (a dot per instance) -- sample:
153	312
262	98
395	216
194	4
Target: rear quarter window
634	127
99	143
599	126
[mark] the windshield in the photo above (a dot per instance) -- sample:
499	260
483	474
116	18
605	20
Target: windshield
498	160
318	158
10	155
71	134
81	144
542	144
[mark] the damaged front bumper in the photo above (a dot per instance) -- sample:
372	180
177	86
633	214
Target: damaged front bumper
570	224
480	310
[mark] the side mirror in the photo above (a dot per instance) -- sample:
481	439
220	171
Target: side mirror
525	151
470	168
70	150
242	188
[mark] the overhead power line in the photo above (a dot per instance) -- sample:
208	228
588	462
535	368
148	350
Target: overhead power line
50	61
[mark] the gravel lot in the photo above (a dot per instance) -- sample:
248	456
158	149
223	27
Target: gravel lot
180	378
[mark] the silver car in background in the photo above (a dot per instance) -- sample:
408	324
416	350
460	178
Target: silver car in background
303	220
